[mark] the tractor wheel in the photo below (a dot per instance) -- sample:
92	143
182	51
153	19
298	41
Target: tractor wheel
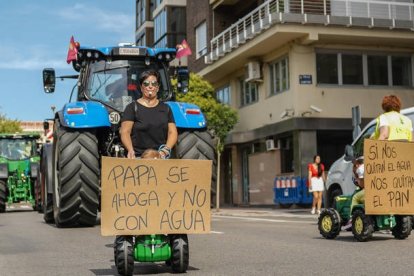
3	197
362	226
124	255
76	177
48	209
180	253
403	228
329	223
199	145
37	194
46	178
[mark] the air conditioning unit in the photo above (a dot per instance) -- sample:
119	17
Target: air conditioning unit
253	71
270	145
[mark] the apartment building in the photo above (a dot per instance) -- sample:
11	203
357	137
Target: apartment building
160	23
293	69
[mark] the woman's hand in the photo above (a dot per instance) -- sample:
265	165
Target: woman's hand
162	154
131	154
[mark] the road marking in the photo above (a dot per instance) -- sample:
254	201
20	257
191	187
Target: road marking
216	232
268	220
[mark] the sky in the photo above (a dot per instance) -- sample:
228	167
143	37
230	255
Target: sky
35	35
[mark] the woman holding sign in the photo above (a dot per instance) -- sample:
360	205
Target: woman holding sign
148	123
391	125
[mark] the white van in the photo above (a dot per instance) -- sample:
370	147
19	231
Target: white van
339	179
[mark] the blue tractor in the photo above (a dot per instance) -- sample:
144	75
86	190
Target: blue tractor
87	127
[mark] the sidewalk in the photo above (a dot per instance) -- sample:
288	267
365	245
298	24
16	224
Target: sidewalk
263	212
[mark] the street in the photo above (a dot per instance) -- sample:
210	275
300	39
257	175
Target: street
242	242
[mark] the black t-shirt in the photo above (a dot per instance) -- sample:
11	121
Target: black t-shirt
150	129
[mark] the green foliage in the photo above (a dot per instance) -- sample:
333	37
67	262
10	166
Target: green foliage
9	126
220	117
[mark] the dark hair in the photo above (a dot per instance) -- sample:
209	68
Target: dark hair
391	103
319	165
144	75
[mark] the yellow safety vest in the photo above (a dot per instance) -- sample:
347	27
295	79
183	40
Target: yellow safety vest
400	127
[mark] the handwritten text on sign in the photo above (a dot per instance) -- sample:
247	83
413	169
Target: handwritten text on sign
389	177
155	196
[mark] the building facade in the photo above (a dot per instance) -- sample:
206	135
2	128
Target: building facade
293	69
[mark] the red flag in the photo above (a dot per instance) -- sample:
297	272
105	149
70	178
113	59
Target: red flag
183	50
72	51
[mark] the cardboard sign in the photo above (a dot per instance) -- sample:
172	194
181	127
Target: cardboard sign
153	196
389	177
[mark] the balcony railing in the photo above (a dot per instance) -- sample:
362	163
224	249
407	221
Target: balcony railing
362	13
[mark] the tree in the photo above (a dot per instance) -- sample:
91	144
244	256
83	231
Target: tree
9	126
221	118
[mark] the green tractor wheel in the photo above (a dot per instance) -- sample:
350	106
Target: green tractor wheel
124	255
2	196
329	223
46	178
403	228
180	253
362	226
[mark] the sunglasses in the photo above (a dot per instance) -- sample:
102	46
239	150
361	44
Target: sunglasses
148	83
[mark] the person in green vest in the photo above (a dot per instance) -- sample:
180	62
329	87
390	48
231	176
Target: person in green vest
391	125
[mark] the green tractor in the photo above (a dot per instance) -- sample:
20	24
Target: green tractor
18	168
332	219
173	249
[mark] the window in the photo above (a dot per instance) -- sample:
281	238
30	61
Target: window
141	40
201	39
160	26
377	70
223	95
352	72
364	69
359	145
279	76
248	92
327	68
140	12
401	71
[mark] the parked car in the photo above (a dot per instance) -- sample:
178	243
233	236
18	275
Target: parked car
339	179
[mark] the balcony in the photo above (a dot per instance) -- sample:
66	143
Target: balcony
347	13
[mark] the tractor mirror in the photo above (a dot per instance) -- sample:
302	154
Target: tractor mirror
349	153
49	80
45	125
183	78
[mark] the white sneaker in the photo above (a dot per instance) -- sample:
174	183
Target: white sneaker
313	211
318	212
347	226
